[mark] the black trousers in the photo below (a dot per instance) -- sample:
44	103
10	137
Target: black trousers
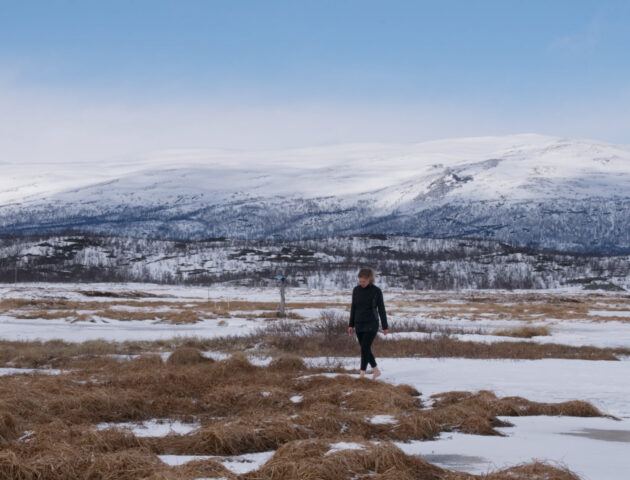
365	340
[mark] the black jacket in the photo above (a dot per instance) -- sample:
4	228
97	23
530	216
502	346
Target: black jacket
367	304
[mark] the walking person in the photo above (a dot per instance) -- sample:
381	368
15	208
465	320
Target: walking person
367	306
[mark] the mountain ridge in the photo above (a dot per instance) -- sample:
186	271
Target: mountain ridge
528	190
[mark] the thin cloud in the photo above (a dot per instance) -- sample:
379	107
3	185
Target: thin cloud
38	126
583	42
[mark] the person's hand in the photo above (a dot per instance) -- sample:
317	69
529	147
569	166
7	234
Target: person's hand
350	330
385	332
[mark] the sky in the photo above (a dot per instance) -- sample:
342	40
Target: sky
112	80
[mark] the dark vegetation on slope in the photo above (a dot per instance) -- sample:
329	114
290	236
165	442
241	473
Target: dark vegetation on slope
408	262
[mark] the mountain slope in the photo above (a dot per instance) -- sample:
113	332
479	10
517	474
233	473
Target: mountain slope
524	189
400	261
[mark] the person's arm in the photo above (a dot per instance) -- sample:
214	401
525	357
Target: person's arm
382	313
352	310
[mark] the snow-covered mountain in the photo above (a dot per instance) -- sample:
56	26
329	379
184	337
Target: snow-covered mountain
529	190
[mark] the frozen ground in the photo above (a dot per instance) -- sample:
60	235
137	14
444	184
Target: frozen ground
72	291
118	330
594	448
153	428
603	383
607	325
612	334
12	328
597	448
235	463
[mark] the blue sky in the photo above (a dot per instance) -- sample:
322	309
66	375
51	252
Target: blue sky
271	74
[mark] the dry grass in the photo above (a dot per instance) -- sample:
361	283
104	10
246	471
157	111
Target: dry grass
531	306
186	356
69	462
242	408
127	309
329	337
409	325
174	316
8	428
311	460
245	408
283	338
169	312
527	331
148	360
513	406
288	363
308	460
533	471
57	353
43	305
440	347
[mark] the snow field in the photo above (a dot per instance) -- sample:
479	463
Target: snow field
595	448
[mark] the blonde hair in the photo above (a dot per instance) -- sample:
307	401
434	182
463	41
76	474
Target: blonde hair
367	273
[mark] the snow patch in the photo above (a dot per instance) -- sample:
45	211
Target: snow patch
153	428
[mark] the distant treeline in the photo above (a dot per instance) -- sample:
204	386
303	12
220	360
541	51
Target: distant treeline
400	261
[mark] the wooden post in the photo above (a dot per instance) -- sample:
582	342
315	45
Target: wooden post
281	283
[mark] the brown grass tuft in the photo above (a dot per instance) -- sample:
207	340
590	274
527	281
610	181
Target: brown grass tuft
409	390
247	433
64	462
533	471
476	413
287	363
8	428
518	406
197	469
417	425
525	332
187	356
238	362
148	360
357	394
310	459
